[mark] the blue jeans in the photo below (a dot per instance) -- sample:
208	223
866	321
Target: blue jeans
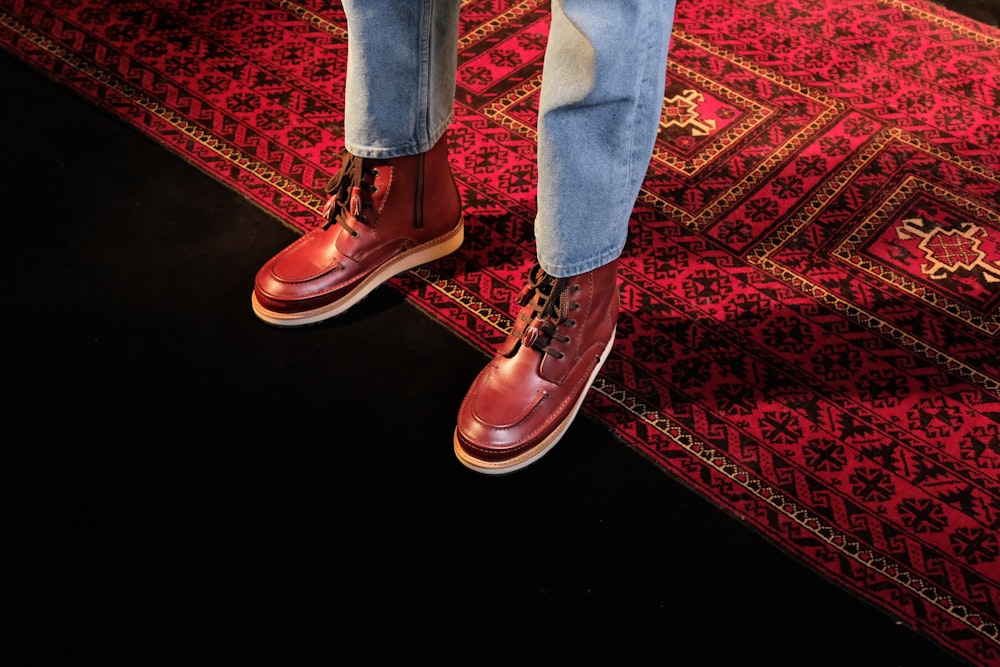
599	109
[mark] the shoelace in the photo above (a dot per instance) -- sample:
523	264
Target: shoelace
345	193
549	302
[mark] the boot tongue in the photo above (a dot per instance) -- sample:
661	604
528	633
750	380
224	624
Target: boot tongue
345	190
540	314
545	312
348	176
527	329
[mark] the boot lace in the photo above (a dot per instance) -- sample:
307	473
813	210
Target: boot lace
547	305
345	190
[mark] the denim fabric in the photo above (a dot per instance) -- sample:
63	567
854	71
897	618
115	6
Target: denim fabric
599	110
402	56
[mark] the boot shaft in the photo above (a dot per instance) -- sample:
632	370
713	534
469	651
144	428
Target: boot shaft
593	314
414	195
565	319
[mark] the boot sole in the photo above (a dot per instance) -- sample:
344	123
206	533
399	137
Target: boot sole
417	256
538	451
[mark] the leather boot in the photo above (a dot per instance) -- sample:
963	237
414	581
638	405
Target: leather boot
521	404
383	217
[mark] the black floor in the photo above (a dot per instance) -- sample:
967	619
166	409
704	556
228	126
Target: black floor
192	487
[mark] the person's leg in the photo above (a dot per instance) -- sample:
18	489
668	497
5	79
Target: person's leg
601	99
401	65
599	112
400	89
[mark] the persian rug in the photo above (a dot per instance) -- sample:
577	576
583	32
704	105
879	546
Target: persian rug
811	290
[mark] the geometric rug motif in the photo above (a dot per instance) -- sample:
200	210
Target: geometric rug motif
810	326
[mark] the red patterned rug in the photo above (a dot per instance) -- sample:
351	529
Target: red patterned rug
812	288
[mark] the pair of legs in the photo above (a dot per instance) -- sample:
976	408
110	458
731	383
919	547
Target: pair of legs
600	104
394	204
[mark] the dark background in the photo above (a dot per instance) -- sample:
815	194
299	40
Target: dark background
190	486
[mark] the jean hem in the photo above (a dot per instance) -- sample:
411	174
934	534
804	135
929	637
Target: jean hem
567	270
377	152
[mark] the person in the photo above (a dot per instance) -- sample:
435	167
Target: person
394	204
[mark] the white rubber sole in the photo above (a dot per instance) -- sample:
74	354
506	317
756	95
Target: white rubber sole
418	255
542	448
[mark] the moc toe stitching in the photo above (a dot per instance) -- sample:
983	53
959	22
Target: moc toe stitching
483	438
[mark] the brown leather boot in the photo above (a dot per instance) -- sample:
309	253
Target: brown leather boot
383	217
521	404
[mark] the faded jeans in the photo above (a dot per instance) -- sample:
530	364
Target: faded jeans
599	108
